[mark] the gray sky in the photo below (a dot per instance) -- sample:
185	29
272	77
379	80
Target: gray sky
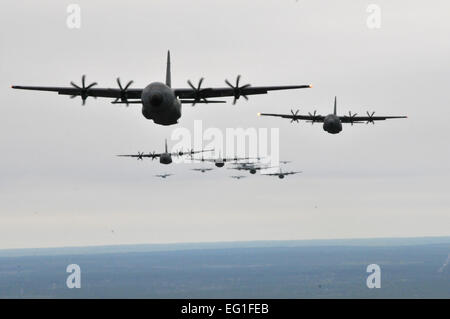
61	185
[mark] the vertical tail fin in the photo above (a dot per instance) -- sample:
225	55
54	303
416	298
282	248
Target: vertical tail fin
335	105
166	145
168	73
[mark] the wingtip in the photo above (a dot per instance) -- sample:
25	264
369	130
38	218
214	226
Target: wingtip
310	86
258	114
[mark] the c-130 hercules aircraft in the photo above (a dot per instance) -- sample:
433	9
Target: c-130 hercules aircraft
332	123
166	157
160	102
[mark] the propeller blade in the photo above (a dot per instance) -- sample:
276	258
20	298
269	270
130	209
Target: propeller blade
118	83
200	84
229	84
75	86
91	85
128	84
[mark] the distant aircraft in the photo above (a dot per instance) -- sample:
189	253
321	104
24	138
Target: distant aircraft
163	175
250	167
160	102
281	174
238	176
202	169
220	161
164	158
332	123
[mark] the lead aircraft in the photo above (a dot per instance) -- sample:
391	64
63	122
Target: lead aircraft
160	102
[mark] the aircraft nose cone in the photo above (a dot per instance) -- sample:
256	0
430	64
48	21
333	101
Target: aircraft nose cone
156	99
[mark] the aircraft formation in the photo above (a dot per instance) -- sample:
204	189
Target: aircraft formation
162	103
249	164
250	167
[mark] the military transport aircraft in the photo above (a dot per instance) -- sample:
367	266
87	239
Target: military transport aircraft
220	161
163	175
332	123
281	174
250	167
166	157
202	169
160	102
238	176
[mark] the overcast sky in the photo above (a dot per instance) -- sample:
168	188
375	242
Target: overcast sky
61	184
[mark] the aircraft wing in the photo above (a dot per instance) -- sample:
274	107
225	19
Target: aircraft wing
367	119
93	92
190	152
192	93
242	168
226	159
291	173
142	155
123	94
296	117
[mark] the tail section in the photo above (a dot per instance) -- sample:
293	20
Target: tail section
168	72
335	105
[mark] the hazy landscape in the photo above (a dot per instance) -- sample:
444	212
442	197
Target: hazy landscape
410	268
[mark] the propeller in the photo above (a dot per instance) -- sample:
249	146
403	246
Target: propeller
139	156
191	151
198	91
294	119
84	90
351	116
314	117
238	90
153	155
123	92
370	120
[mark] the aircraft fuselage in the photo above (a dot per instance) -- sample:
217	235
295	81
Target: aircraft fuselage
165	158
219	163
160	104
332	124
